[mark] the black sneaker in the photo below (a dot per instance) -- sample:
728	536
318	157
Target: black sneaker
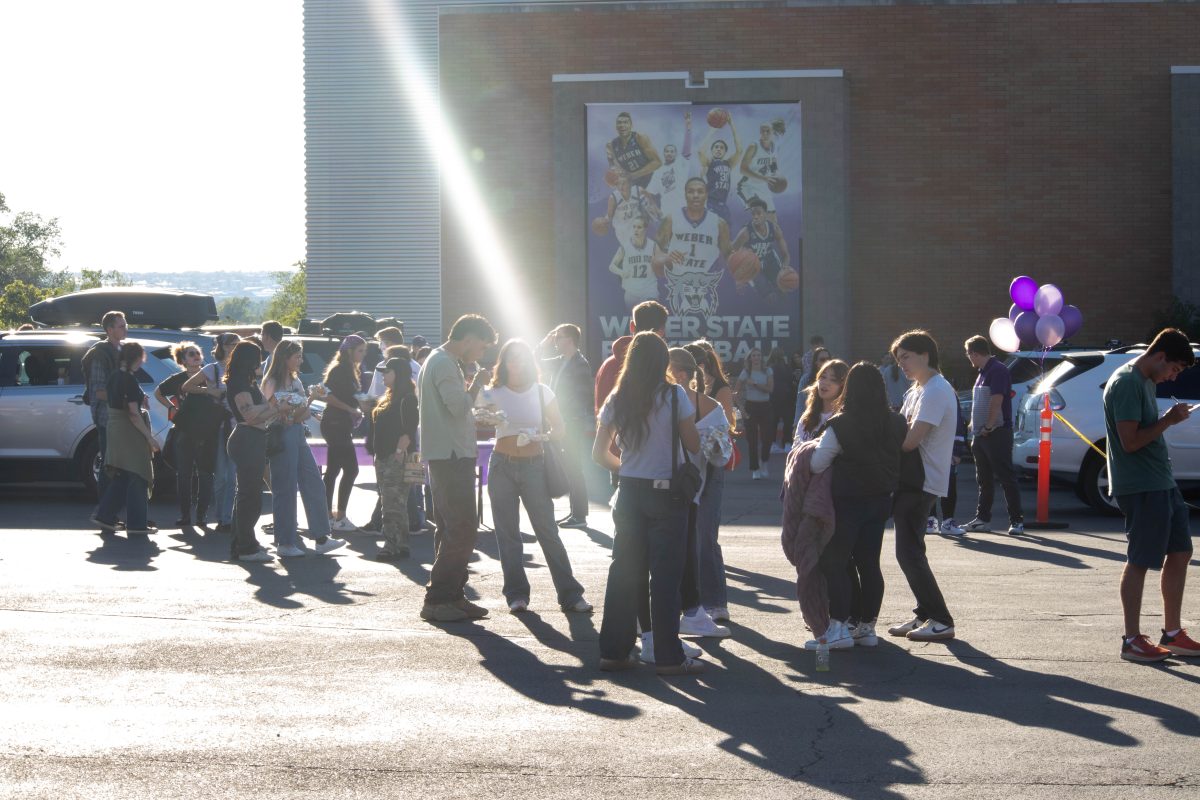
372	527
470	609
573	522
224	527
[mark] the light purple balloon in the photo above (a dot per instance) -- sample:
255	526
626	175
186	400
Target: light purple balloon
1050	330
1022	291
1026	325
1048	300
1014	311
1072	319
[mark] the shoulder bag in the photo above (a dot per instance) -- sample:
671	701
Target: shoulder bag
685	478
556	474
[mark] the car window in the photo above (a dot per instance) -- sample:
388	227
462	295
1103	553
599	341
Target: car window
1185	387
163	354
1025	370
42	365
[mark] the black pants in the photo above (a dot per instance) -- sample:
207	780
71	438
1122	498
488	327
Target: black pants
577	452
850	561
911	511
950	501
453	482
760	431
651	537
195	461
247	448
340	456
993	464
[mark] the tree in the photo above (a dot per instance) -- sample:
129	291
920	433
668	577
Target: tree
18	296
240	310
26	241
290	301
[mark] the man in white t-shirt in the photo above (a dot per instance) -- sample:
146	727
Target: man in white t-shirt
931	408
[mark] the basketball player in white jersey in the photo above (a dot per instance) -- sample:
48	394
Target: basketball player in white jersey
632	153
634	265
626	204
690	241
760	168
666	187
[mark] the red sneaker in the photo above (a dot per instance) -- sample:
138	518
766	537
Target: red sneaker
1141	649
1180	644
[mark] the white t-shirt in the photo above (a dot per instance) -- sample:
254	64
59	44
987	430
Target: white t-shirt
759	376
937	404
378	388
522	408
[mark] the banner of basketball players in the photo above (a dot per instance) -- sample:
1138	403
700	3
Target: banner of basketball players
698	207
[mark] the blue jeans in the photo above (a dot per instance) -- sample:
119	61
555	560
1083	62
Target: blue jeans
708	524
295	468
512	482
651	536
102	440
224	480
125	489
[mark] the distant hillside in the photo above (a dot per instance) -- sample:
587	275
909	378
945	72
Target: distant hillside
257	285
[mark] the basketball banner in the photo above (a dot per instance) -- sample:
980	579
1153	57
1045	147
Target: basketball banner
699	208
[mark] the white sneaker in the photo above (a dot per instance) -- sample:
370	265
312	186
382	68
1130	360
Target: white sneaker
754	475
329	545
952	528
764	472
517	606
931	525
904	627
864	635
257	555
647	655
932	631
701	624
978	526
343	525
580	606
837	637
289	551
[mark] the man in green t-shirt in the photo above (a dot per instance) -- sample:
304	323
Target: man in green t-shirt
1139	473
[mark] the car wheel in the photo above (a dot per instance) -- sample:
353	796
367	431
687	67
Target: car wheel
1093	485
87	461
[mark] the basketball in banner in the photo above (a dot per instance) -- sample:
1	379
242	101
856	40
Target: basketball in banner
699	208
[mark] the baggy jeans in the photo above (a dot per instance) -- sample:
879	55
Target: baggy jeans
295	469
993	464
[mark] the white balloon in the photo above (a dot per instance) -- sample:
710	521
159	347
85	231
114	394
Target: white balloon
1048	300
1004	335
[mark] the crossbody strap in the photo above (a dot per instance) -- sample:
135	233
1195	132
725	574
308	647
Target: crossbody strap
674	431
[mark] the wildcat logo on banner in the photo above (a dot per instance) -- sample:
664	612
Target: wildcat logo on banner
699	208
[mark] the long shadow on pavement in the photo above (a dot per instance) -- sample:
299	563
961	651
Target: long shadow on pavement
125	554
997	547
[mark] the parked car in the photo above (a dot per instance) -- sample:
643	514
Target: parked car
46	430
1076	388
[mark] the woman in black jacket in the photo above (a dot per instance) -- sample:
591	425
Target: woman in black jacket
862	444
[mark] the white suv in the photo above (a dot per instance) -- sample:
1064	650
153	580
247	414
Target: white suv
1076	388
46	431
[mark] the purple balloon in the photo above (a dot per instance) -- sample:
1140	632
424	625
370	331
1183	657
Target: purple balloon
1014	311
1072	319
1026	325
1050	330
1022	291
1048	300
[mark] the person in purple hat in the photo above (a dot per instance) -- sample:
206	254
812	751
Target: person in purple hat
342	415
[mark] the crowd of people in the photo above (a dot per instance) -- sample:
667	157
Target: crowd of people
663	422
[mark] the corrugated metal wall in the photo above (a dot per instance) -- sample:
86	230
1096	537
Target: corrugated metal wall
372	190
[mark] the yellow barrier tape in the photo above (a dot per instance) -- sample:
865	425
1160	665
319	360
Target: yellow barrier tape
1075	431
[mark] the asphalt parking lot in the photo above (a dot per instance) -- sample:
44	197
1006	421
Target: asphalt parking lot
159	670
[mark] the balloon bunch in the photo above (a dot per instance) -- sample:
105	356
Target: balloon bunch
1038	316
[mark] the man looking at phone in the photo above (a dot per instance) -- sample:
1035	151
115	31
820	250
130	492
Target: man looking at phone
1140	478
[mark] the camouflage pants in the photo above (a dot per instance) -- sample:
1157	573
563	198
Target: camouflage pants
393	493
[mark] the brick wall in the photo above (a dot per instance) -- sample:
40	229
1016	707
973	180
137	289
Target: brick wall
985	142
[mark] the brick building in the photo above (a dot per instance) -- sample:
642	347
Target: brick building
974	142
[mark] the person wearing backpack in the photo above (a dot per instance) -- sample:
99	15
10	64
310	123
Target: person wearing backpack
99	363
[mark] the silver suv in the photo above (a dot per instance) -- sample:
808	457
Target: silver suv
46	431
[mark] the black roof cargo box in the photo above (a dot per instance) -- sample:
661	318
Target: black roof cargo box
157	308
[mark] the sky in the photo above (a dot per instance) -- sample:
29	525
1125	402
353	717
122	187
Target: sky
164	136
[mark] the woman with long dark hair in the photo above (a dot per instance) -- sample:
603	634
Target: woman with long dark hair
823	400
211	380
195	439
247	446
341	417
644	414
862	444
517	476
393	436
294	468
131	447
